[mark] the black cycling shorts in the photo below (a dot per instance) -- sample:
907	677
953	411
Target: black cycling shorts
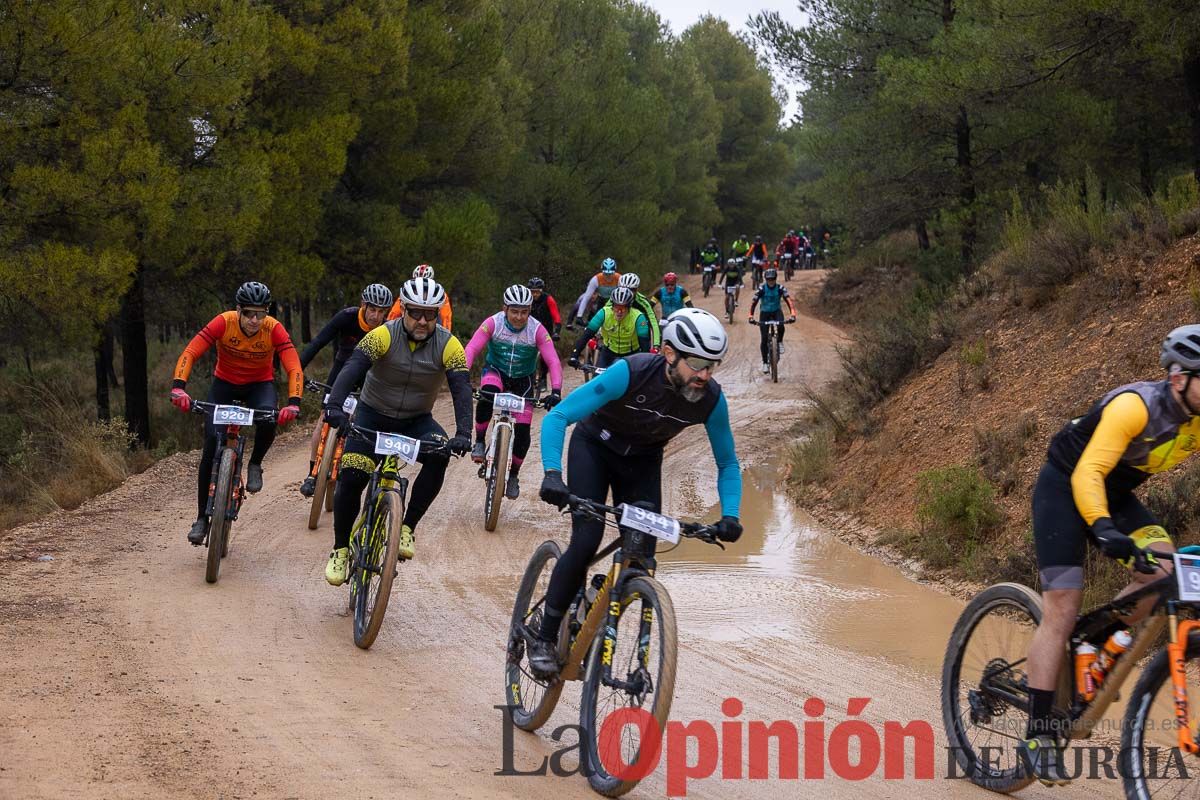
1060	534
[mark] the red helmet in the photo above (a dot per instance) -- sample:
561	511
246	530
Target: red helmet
670	277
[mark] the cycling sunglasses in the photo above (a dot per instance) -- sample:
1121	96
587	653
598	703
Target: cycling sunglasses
698	364
427	314
252	314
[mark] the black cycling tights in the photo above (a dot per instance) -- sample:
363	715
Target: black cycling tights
253	395
592	469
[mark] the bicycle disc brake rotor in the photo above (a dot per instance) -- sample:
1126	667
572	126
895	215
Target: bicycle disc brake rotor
986	704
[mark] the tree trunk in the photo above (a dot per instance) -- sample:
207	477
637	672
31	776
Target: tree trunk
287	318
104	368
1191	79
966	186
922	235
305	320
133	347
1145	167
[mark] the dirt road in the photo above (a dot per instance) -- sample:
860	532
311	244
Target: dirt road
124	675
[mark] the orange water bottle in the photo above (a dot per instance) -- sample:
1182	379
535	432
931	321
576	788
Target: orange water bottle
1117	643
1085	684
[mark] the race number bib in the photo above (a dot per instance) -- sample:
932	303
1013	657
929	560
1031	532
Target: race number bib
1187	570
350	404
393	444
509	402
233	415
657	525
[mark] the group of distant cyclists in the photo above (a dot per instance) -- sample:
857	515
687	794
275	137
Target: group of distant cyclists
398	352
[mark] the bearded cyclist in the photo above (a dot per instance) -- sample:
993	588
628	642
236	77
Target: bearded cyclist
642	303
513	340
401	365
772	295
445	315
622	329
247	341
347	328
1093	465
599	288
626	418
671	296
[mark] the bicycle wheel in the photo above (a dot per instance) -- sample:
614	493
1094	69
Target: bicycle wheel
984	687
774	353
376	566
494	493
589	358
1149	732
643	667
323	470
729	306
531	701
217	527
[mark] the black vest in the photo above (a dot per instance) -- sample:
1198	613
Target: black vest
651	412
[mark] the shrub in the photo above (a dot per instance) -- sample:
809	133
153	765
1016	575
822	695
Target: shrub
973	362
811	460
957	503
1000	451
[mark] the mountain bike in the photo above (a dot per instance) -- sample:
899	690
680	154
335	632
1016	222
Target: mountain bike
789	263
494	469
706	280
375	539
589	359
730	302
985	688
772	343
330	445
756	272
614	661
226	490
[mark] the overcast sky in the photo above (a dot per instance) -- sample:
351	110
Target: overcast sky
680	14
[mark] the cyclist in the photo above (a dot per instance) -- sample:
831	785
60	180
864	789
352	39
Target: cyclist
513	341
671	296
643	304
758	257
789	245
740	247
445	315
732	276
545	311
1093	465
710	255
347	328
602	284
247	340
401	365
623	330
771	294
626	418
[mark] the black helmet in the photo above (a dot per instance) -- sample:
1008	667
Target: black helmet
713	240
538	284
744	236
253	293
758	238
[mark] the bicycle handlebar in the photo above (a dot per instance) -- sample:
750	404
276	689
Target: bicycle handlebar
539	403
598	510
425	445
205	407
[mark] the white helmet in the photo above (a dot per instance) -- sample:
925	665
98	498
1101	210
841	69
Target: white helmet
377	295
695	332
629	280
622	296
423	271
422	293
518	295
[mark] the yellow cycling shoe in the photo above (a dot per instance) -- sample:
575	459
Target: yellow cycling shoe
405	547
338	566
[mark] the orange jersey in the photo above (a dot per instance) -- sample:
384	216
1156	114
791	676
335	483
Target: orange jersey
244	359
445	316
